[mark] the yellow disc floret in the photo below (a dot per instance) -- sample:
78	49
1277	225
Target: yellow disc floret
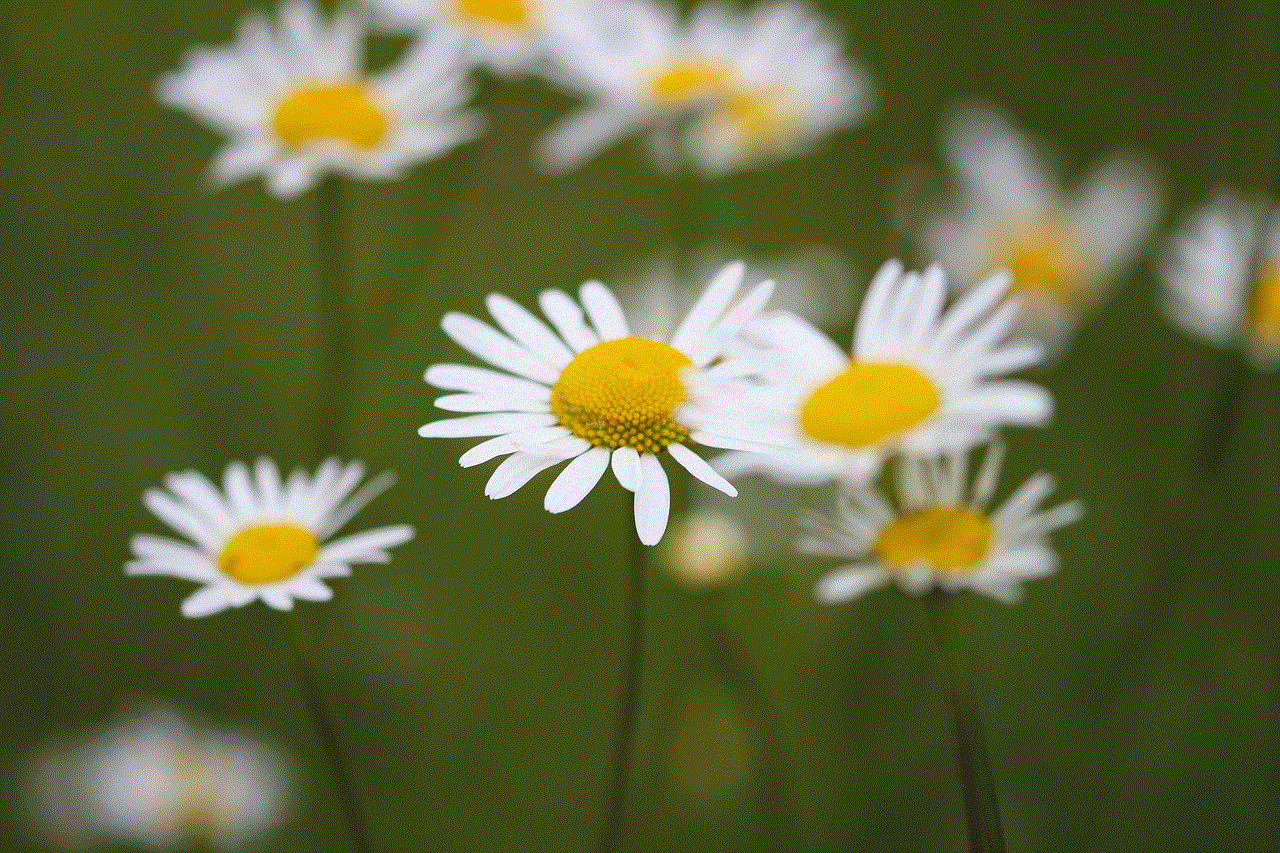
266	553
1044	258
947	539
623	393
682	81
504	13
344	113
1264	302
867	403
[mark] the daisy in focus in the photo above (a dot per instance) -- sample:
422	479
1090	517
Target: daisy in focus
724	90
921	381
261	537
157	782
1222	277
507	36
294	101
938	534
1010	213
589	392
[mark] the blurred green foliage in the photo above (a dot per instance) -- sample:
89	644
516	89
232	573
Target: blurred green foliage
152	325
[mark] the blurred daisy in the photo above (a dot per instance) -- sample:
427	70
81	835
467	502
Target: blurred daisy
159	783
1222	277
723	90
1010	213
937	536
590	392
261	537
920	381
507	36
295	103
706	549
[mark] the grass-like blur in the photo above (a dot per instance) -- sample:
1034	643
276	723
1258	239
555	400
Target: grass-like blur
152	325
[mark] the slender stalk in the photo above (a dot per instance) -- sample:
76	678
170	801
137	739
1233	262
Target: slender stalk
629	703
1222	413
347	797
335	317
982	813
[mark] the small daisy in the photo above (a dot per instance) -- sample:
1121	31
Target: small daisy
295	102
1212	289
507	36
261	537
590	392
936	537
790	86
920	381
1010	213
706	550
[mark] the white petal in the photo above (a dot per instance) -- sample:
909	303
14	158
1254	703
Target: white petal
880	291
203	602
485	342
481	380
489	403
310	589
566	315
514	472
277	598
848	583
604	311
509	443
653	500
577	138
626	468
240	493
698	467
474	426
710	305
267	478
577	479
730	324
180	518
528	330
352	549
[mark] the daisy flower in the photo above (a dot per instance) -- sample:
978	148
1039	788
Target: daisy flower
920	381
1222	277
507	36
706	550
1010	213
261	537
294	101
590	392
936	536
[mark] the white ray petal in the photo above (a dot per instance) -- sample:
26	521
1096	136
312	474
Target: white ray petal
475	426
566	315
487	343
849	582
626	467
521	324
604	311
710	305
577	479
653	500
698	467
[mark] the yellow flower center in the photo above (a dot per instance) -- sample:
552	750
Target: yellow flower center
947	539
266	553
1264	302
758	125
1044	258
623	393
506	13
345	113
690	79
867	403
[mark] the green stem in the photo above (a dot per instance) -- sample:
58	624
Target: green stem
335	317
629	703
350	803
982	813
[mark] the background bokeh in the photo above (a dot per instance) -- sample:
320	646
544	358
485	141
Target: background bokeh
152	325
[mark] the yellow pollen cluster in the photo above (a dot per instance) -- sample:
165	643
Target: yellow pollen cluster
684	80
947	539
1044	259
266	553
506	13
623	393
345	113
867	403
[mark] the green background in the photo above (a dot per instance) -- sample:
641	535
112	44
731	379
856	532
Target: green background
152	325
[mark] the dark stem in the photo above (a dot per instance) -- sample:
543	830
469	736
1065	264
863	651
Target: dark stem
328	736
629	703
335	317
982	813
1222	413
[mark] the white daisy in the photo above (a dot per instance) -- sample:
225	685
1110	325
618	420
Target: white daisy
590	392
936	537
1010	213
790	86
157	782
706	549
261	537
295	102
920	381
1214	290
507	36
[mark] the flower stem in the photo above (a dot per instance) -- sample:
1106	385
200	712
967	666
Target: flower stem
335	316
982	814
629	703
351	809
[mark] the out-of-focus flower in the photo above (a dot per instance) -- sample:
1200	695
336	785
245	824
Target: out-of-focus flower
262	538
706	550
1010	213
1222	277
157	782
921	381
294	101
593	394
939	535
812	282
724	90
507	36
